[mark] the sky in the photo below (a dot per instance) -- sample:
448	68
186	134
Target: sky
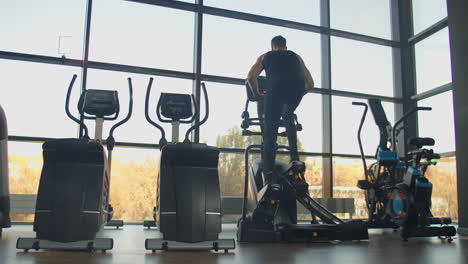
128	33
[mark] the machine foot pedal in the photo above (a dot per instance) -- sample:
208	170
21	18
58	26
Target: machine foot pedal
216	245
149	224
364	185
28	243
298	166
115	223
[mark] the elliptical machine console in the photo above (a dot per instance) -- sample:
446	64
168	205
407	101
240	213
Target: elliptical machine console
73	197
269	213
188	204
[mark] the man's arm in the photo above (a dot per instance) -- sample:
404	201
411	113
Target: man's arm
254	72
306	75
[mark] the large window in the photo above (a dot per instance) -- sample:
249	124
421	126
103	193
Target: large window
443	177
346	119
157	37
427	13
227	103
309	114
368	17
361	67
231	46
306	11
35	101
133	183
49	27
24	167
438	123
346	173
142	35
433	67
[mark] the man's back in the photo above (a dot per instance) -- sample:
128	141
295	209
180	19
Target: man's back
283	72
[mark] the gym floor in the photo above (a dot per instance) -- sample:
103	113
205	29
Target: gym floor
383	247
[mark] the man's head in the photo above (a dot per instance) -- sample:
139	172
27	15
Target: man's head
278	43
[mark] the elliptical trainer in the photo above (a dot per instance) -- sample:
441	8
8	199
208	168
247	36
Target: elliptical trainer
188	204
73	197
271	216
4	190
398	195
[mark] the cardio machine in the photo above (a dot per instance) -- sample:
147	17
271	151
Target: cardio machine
73	196
188	204
271	216
398	195
4	191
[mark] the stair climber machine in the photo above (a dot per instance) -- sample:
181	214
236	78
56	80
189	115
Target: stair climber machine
73	197
398	195
188	204
4	192
269	212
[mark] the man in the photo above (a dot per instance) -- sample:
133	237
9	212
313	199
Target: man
287	81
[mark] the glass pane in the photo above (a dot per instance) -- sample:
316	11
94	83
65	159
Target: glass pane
133	183
231	46
427	12
309	114
346	173
24	166
143	35
137	129
35	101
433	67
443	177
438	123
368	17
346	120
49	27
231	174
306	11
227	102
314	175
361	67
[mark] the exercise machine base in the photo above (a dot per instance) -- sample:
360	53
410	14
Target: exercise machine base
248	231
168	245
28	243
443	231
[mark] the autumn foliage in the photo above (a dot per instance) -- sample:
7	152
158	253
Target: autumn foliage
133	184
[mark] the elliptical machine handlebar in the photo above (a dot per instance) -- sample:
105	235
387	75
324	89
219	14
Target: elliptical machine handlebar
162	141
405	116
363	118
67	108
197	112
110	141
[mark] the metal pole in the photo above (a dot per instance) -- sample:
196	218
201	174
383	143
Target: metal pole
197	62
404	69
327	181
84	73
457	10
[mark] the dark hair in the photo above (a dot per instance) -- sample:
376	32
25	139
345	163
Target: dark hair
278	41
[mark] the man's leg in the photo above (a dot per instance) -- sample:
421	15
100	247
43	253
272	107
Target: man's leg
291	130
272	114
